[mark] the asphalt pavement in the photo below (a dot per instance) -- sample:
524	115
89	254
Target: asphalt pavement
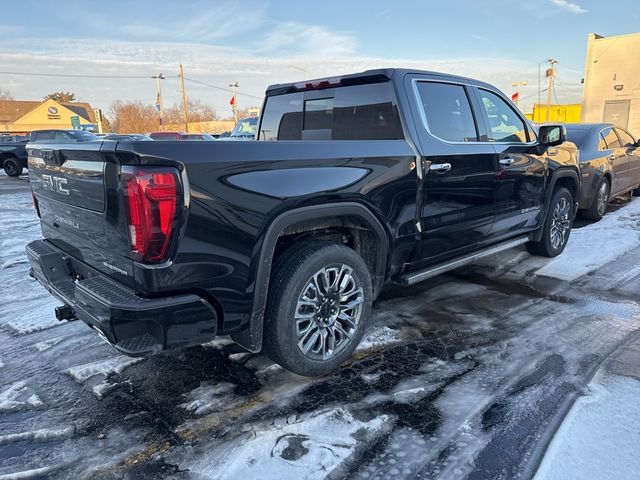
467	375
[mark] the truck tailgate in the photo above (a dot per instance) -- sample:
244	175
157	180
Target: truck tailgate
71	185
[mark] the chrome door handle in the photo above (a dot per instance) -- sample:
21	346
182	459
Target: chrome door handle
612	158
440	167
507	161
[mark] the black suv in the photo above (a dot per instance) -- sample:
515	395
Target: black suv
283	243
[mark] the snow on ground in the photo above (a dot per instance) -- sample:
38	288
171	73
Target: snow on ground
599	438
597	244
310	448
18	396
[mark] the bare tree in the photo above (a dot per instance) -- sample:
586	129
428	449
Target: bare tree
196	112
62	97
133	117
5	94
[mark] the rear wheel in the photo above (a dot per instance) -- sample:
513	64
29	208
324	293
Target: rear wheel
319	302
12	167
557	226
600	201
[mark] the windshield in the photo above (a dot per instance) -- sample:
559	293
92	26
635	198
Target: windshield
247	127
83	136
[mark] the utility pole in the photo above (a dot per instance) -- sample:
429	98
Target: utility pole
184	101
551	73
517	94
235	103
159	98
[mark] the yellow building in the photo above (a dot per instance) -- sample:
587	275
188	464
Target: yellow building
25	116
564	113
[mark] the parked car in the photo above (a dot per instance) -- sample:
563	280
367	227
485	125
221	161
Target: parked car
62	136
13	154
197	137
165	135
609	163
122	137
245	129
284	243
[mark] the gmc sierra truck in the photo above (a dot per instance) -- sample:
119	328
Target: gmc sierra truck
284	242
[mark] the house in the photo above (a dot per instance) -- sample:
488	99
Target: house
17	116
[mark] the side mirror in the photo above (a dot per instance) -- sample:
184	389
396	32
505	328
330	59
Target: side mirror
551	135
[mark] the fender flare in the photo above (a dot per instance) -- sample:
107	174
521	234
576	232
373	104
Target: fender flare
561	173
250	337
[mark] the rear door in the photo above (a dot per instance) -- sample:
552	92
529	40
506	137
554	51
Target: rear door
76	190
617	156
628	143
458	201
520	178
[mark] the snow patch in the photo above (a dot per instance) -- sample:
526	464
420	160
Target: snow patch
617	233
81	373
42	435
17	397
47	344
211	397
599	437
309	449
378	337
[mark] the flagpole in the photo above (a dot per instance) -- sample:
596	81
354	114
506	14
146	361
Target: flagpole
235	103
159	99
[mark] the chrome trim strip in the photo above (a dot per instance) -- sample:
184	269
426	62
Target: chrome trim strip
412	278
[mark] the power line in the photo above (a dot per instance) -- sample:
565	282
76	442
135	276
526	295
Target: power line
72	75
238	92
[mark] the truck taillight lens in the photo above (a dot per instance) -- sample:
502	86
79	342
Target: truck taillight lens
153	198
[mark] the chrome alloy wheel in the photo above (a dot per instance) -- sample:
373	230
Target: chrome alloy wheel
560	223
602	198
328	312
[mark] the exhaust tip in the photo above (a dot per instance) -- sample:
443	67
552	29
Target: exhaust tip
64	312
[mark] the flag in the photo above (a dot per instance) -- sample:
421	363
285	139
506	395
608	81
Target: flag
515	97
232	102
158	101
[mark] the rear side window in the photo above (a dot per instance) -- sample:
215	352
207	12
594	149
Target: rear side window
610	138
358	112
447	111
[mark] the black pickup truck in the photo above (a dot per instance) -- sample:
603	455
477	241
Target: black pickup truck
13	154
284	242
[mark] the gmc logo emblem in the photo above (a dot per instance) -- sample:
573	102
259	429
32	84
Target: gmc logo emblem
55	184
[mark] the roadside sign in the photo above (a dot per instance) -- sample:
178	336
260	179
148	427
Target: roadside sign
75	122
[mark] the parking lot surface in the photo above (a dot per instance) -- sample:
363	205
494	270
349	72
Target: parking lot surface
468	375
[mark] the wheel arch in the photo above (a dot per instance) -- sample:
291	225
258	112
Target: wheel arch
251	336
565	177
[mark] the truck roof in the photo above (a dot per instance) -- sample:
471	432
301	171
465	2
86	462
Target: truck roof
367	76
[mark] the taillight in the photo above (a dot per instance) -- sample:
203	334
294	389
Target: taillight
153	197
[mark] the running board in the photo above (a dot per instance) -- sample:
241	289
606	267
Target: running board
420	275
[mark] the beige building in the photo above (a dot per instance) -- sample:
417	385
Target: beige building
612	81
26	116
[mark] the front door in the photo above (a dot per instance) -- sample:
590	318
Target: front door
633	156
520	180
459	172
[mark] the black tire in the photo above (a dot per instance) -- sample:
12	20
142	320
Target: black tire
551	245
599	203
12	167
291	279
636	192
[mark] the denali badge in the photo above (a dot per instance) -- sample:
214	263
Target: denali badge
67	221
55	184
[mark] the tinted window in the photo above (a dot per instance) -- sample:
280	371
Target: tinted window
447	111
577	136
359	112
39	136
505	124
62	137
610	138
626	139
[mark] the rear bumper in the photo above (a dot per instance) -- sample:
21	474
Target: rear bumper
134	325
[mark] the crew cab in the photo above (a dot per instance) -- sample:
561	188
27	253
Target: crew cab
283	243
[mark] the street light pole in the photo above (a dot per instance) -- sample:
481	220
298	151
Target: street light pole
235	103
302	69
159	98
551	73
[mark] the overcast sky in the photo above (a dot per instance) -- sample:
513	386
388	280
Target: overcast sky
255	42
